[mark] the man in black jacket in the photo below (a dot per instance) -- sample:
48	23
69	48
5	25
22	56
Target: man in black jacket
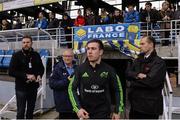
146	75
27	68
149	15
97	83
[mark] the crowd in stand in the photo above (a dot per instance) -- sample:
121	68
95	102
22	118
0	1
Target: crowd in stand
146	15
149	14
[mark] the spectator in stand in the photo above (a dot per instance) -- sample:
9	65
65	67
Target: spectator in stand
117	17
41	22
5	25
17	23
53	22
104	18
89	17
165	12
67	24
166	16
173	8
149	15
154	8
131	16
111	15
177	14
30	23
80	20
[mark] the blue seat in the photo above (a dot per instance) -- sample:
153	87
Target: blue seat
1	57
6	61
44	53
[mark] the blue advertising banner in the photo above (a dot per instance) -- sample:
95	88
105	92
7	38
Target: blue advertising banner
107	32
117	35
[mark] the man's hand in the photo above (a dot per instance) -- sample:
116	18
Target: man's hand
38	78
82	114
115	116
30	78
69	78
141	76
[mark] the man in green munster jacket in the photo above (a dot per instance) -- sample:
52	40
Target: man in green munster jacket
95	81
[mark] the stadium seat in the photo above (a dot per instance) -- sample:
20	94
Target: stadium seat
6	61
1	57
43	53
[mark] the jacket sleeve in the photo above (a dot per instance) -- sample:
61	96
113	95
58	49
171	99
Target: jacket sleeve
116	84
136	16
130	72
126	18
154	78
142	16
72	90
56	81
44	24
40	66
13	71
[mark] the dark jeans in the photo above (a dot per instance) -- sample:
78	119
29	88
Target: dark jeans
139	115
25	99
67	115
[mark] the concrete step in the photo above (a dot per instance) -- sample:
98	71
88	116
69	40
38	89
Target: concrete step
51	114
8	115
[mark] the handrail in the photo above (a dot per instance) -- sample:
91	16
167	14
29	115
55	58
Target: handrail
168	83
167	98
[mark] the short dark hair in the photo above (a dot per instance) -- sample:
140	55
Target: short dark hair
101	46
27	36
130	5
148	3
151	40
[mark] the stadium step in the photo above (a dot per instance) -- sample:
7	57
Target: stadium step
176	108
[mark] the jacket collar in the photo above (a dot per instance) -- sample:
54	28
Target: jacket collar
63	66
150	58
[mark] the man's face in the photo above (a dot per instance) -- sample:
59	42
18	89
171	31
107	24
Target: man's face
165	5
79	12
148	7
65	17
26	43
145	46
4	22
116	12
88	12
68	57
51	15
130	8
93	52
41	15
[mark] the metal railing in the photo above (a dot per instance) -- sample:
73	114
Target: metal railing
167	99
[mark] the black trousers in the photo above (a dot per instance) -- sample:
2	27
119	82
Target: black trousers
67	115
25	101
139	115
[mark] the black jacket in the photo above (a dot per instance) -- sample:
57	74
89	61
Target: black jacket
146	95
154	16
19	67
95	85
59	83
53	23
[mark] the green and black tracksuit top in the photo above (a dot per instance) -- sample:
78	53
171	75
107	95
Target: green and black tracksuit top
96	86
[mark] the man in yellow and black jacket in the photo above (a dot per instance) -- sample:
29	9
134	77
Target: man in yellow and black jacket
95	81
